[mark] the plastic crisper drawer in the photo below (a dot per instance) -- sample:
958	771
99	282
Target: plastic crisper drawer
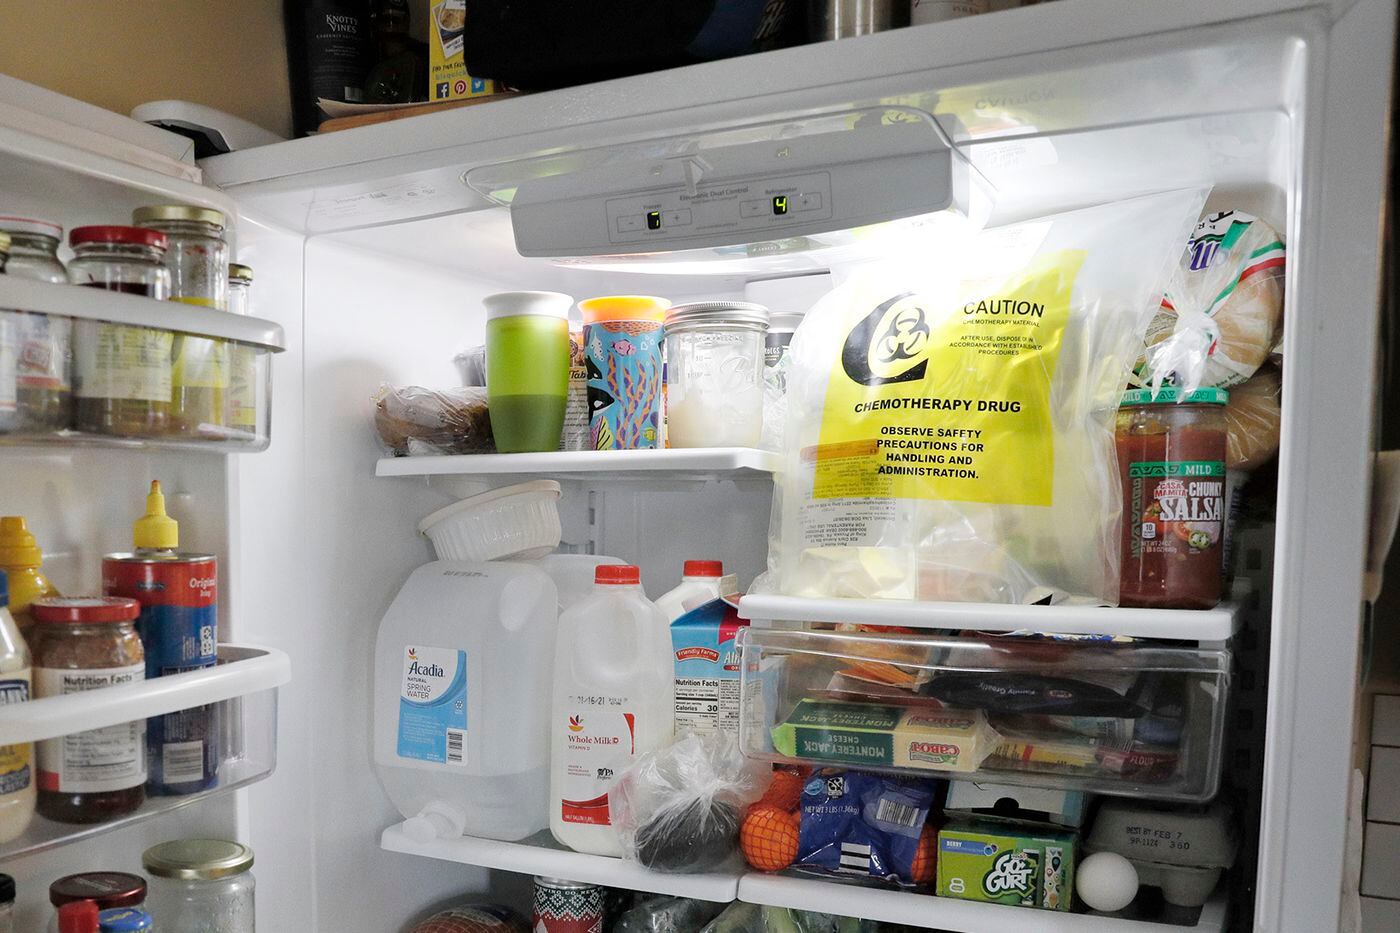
1125	718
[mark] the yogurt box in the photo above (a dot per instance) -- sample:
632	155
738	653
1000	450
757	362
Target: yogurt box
707	668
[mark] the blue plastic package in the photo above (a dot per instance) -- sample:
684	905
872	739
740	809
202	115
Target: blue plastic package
862	825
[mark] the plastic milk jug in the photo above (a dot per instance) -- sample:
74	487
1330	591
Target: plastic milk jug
461	699
613	702
702	581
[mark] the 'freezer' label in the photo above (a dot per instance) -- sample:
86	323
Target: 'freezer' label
433	705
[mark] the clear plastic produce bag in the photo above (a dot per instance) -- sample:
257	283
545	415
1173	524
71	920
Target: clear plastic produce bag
412	420
667	915
951	413
678	809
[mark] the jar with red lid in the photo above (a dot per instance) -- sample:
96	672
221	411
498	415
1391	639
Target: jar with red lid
1171	458
105	889
121	373
88	643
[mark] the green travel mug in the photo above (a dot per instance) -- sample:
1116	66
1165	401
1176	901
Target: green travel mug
527	368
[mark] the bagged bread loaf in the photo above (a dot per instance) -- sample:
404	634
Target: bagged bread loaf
1220	318
1252	420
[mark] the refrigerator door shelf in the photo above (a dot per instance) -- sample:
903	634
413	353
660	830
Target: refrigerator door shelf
541	855
1201	625
927	912
593	465
244	688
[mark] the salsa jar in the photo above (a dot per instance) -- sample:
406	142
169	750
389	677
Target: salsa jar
42	343
197	257
1171	458
79	644
121	372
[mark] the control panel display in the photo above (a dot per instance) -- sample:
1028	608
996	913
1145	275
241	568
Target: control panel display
763	206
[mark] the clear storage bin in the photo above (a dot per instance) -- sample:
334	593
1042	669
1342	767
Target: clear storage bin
1122	718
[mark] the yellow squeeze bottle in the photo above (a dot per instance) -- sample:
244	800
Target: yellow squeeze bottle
21	560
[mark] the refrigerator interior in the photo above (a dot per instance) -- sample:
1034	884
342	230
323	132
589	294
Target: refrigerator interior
373	255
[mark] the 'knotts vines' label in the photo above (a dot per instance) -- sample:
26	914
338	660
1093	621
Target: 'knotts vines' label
433	705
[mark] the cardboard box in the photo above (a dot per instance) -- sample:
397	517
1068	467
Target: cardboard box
1026	804
999	863
879	736
707	668
447	74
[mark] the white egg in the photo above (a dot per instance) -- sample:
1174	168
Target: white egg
1106	881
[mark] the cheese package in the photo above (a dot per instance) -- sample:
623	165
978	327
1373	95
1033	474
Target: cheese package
878	736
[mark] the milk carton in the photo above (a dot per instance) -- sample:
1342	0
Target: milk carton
707	667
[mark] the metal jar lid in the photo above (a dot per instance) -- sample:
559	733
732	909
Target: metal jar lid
197	859
237	272
107	888
157	213
717	315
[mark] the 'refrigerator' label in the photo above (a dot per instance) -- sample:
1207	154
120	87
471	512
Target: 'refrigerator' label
949	399
600	744
433	705
111	758
15	773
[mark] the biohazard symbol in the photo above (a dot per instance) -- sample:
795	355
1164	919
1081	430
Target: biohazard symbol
905	338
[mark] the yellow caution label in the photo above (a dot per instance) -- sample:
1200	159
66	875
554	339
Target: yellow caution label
936	398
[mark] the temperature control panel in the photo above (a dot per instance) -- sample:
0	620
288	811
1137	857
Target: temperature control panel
762	207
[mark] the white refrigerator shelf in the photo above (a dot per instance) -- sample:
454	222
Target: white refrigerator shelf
541	855
242	670
673	463
945	913
1217	624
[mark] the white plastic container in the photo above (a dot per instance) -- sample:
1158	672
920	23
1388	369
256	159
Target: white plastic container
461	699
613	701
519	521
702	581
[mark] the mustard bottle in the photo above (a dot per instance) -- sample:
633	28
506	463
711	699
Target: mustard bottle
22	561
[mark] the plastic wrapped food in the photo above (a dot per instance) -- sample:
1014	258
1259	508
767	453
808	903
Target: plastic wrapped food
1220	317
950	417
678	809
412	420
1253	419
667	915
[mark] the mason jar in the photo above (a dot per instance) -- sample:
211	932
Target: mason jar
201	885
42	343
714	374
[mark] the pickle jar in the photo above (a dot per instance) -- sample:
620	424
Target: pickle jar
121	373
43	358
197	258
243	360
202	884
1171	458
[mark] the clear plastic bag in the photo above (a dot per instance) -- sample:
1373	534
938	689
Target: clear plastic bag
1253	420
951	413
750	918
1220	317
412	420
667	915
678	809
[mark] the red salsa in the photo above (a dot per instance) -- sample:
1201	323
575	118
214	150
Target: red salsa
1171	457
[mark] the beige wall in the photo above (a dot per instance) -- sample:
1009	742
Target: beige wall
228	54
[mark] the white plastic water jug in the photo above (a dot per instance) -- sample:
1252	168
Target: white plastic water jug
462	671
613	701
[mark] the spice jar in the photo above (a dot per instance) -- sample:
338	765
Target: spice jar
121	372
43	357
202	884
105	889
243	360
1171	457
197	258
714	374
79	644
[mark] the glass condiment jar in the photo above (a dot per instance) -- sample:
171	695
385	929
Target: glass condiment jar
1171	458
43	357
79	644
243	360
121	372
105	889
197	258
714	374
201	885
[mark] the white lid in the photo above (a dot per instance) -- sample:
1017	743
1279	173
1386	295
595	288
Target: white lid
515	304
472	502
13	224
